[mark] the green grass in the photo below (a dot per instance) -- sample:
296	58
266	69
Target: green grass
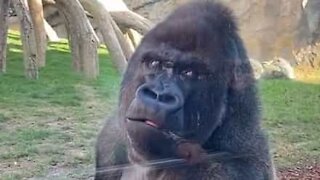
57	80
48	126
292	117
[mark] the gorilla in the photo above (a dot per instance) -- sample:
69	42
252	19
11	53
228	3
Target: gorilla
188	106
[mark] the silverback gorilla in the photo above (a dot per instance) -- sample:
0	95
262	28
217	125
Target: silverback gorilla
188	93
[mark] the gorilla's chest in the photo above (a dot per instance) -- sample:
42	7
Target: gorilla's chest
135	173
145	173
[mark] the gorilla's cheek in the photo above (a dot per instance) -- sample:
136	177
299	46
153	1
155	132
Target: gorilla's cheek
202	121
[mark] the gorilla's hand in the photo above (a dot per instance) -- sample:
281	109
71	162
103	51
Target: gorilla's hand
189	150
192	152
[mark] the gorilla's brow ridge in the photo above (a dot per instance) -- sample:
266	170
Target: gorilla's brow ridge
180	59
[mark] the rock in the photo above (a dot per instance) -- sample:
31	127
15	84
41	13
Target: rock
309	56
312	14
269	27
277	68
257	68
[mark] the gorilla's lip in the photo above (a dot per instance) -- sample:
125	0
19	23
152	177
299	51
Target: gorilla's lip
149	122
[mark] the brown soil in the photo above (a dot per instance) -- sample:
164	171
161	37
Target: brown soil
303	172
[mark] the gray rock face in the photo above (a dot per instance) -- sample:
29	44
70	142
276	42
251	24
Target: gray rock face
269	27
312	14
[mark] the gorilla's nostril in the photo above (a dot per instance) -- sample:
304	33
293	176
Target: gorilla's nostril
158	96
167	98
149	93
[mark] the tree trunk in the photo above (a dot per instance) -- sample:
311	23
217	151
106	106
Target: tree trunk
28	41
4	7
36	11
126	47
73	40
125	32
51	33
98	9
132	20
135	37
84	41
126	18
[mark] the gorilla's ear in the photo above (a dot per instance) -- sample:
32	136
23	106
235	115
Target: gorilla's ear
242	75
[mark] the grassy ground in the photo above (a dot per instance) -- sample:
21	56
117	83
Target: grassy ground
291	112
48	127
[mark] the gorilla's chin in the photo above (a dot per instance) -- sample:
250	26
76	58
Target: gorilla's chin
145	137
144	140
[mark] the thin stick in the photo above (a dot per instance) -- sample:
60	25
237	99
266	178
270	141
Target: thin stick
166	163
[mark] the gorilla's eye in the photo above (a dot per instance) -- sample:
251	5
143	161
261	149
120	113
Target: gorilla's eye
188	73
193	74
153	64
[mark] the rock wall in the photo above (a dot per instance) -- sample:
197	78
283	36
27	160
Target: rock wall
269	27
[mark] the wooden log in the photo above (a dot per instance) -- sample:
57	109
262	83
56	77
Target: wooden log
36	12
28	39
4	14
83	39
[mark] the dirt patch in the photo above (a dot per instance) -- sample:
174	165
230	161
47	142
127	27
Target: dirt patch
301	172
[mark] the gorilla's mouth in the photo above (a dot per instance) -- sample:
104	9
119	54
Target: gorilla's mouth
154	125
149	122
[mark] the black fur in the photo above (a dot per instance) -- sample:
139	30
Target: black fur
220	109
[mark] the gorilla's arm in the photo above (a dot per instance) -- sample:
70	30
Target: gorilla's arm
111	151
241	135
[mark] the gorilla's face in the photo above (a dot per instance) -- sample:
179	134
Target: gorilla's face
172	92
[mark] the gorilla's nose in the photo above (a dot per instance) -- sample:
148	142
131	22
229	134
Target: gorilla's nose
167	98
163	97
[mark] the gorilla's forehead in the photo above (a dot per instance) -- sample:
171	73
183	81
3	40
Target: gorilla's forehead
185	44
167	53
187	36
199	33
